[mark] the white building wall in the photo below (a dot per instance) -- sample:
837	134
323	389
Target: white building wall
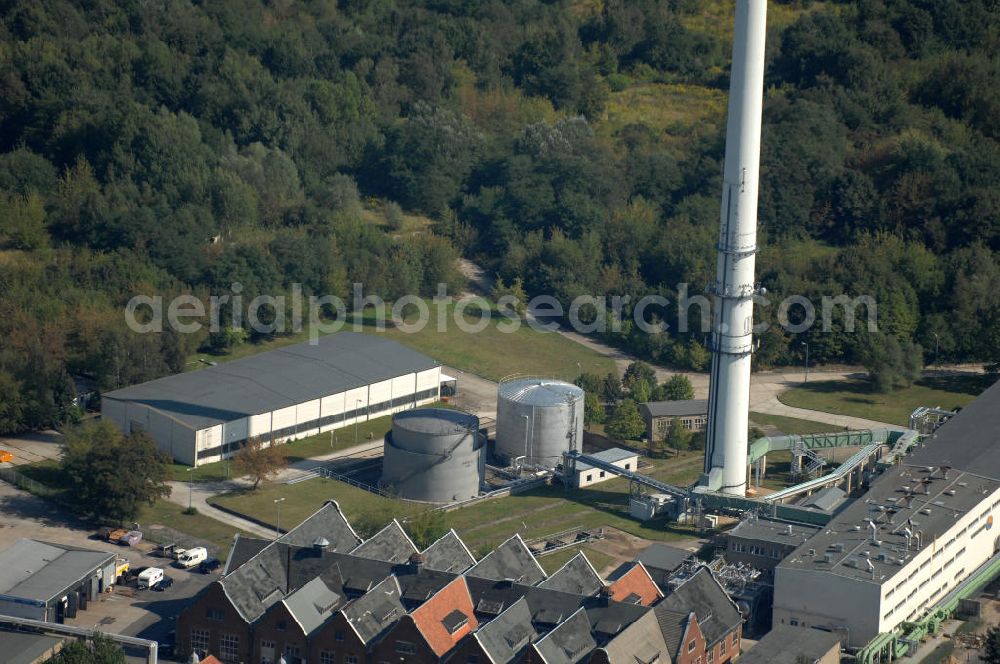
379	394
113	410
404	387
351	403
304	414
282	418
208	439
260	426
596	475
429	380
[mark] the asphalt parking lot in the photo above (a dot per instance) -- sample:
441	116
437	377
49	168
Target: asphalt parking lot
147	614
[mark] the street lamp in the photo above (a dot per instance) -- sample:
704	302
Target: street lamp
356	416
189	486
937	346
277	523
807	362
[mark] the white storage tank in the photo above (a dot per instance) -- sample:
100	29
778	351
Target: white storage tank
434	455
538	419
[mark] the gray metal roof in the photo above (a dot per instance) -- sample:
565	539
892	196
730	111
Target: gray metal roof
702	595
391	544
448	554
276	379
540	392
510	560
435	421
570	642
611	455
507	635
40	571
968	441
663	557
312	604
375	611
24	647
825	499
790	645
577	576
676	408
775	532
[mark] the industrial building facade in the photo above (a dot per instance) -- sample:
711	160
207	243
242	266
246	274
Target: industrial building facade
284	394
692	413
926	526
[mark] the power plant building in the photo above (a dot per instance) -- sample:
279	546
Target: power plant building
538	419
923	529
435	455
288	393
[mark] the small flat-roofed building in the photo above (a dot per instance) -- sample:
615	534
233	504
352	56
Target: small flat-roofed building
587	474
203	416
692	413
763	543
45	581
662	560
788	645
28	647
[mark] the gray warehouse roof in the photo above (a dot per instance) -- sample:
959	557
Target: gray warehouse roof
676	408
39	571
775	532
26	648
788	645
610	455
276	379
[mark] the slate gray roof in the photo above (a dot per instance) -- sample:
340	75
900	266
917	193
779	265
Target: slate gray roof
375	611
390	544
243	549
504	637
569	642
676	408
276	379
702	594
576	576
448	554
510	560
786	645
641	642
39	571
312	604
672	624
611	455
258	583
825	499
327	522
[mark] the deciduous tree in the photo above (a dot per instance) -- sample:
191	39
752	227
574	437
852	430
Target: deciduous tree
260	459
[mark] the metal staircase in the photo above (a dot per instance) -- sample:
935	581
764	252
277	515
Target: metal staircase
807	463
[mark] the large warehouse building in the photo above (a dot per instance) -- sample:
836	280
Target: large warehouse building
923	529
283	394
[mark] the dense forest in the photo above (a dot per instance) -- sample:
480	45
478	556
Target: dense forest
179	146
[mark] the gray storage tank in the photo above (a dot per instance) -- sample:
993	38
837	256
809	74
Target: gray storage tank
539	419
434	455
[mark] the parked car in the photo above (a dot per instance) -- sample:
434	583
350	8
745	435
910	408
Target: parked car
131	538
192	557
114	534
6	456
163	584
209	566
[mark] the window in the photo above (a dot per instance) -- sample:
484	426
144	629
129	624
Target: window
229	648
628	466
406	648
472	659
722	648
602	474
281	625
326	657
291	651
793	622
338	636
350	659
589	476
199	641
215	614
692	644
267	652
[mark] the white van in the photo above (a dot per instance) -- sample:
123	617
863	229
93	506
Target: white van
192	557
149	577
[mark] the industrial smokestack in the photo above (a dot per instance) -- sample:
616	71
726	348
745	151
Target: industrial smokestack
732	335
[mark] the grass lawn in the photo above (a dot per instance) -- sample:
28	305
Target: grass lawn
554	561
483	526
788	425
854	397
164	512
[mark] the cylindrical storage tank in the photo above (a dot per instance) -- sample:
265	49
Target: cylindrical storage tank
434	455
538	419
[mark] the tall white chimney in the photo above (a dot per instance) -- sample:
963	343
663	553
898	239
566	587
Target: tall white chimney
732	337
